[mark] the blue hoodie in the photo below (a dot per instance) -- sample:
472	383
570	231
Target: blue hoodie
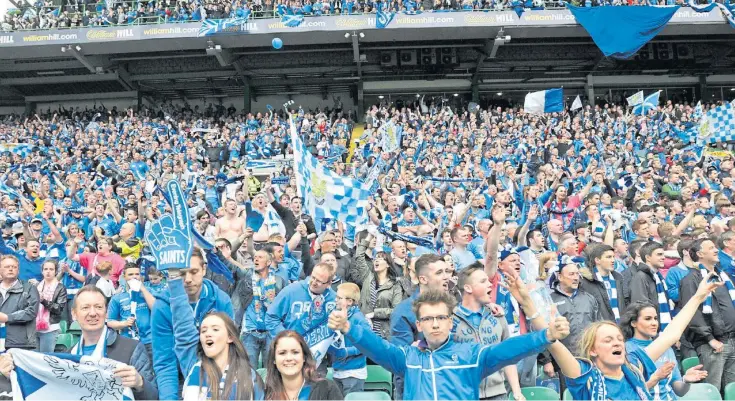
292	309
349	357
451	372
164	358
403	323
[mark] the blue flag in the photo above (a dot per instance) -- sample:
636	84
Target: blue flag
717	125
650	103
292	20
383	18
632	28
39	376
327	195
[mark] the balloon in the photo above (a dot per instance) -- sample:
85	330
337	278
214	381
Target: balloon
277	43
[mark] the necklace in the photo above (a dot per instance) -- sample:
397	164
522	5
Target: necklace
296	397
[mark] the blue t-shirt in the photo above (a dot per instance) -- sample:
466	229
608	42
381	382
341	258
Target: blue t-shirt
305	392
663	389
119	310
87	350
617	389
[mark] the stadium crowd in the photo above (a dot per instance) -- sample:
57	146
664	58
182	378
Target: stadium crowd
82	13
592	247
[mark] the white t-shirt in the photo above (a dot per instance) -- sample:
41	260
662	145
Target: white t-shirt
106	286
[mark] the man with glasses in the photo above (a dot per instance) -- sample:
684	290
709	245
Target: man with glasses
439	368
303	306
432	273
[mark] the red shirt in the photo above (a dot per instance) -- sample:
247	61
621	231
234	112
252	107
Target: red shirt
90	261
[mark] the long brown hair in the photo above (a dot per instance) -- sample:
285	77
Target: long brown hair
274	382
239	369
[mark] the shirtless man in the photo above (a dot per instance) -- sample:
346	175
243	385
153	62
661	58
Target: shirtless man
231	225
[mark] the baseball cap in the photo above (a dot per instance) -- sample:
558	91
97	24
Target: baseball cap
36	220
505	254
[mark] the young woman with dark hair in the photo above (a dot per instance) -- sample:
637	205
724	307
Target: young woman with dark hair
292	372
640	326
215	360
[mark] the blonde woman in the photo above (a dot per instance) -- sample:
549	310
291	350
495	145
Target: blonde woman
606	371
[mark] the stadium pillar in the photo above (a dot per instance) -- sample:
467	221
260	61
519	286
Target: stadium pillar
246	94
589	89
701	90
475	92
360	100
30	108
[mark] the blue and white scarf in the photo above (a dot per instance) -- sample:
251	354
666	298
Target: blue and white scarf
452	179
612	292
631	374
194	390
427	242
707	306
664	304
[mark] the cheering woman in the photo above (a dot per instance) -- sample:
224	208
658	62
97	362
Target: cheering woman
640	326
607	371
215	359
292	372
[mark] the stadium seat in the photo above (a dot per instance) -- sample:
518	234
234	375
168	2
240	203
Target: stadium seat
75	328
263	372
63	326
64	343
537	393
567	395
379	379
702	391
730	392
688	363
368	395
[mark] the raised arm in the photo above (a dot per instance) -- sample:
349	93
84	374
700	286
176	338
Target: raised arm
186	335
492	243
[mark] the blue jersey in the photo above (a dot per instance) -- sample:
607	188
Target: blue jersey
120	309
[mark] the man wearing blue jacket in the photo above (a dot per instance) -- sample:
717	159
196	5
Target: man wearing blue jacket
204	297
304	306
433	274
440	368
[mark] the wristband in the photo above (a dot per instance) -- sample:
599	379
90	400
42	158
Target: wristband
534	316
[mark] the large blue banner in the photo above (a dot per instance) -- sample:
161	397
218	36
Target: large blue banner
620	31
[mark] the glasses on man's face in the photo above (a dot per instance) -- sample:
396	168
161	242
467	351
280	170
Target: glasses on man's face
319	282
432	319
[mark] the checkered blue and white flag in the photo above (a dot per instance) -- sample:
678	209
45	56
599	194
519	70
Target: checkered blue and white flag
327	195
717	125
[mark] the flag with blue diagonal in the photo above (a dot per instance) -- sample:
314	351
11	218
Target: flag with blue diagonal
717	125
292	20
40	376
327	195
383	18
650	103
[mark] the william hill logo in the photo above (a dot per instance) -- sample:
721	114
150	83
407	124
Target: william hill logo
100	34
5	40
